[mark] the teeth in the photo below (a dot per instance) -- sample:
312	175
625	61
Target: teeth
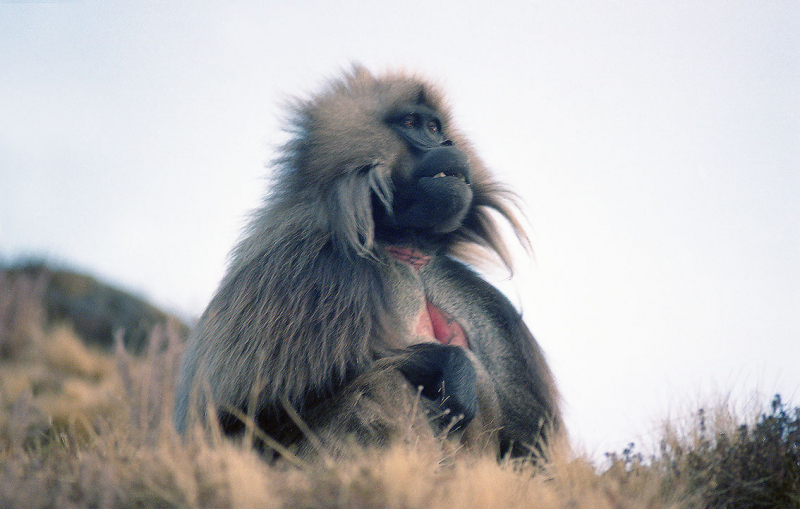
442	174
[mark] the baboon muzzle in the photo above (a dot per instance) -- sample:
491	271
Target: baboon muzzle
444	160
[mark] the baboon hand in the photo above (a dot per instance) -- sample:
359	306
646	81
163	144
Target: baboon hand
447	377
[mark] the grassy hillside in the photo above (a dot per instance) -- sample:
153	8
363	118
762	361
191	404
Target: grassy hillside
85	423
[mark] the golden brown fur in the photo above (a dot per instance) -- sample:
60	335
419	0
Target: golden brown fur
316	312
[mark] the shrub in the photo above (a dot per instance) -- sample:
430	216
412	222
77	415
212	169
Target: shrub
746	466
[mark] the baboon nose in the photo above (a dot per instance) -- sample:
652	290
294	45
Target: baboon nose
447	143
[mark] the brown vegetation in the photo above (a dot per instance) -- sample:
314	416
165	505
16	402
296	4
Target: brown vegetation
96	311
80	427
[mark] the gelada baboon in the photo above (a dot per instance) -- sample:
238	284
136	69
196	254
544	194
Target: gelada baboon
345	314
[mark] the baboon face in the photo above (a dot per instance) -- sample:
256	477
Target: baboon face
395	133
432	194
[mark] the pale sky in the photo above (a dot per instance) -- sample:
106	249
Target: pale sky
656	145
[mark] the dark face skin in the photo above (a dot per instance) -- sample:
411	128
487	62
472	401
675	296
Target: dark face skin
435	196
419	125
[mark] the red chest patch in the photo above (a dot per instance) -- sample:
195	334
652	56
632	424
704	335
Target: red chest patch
433	322
446	329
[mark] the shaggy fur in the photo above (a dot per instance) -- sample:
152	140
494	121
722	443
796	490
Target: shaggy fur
313	310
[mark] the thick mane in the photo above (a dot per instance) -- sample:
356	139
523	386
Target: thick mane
329	308
346	177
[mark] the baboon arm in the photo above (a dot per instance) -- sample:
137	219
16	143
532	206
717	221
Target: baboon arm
504	346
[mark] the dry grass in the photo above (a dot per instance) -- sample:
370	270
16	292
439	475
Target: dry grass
83	428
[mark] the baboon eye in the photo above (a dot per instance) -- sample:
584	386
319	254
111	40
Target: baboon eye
410	120
433	126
